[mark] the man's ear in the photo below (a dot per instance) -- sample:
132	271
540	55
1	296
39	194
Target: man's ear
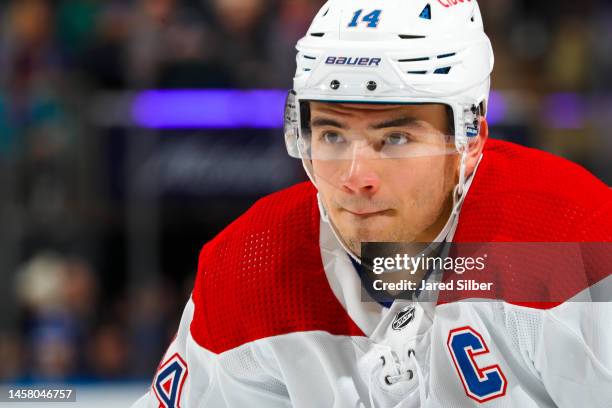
475	147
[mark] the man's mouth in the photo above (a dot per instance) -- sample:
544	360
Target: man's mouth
365	212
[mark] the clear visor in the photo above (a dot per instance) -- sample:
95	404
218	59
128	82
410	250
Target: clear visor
415	139
395	137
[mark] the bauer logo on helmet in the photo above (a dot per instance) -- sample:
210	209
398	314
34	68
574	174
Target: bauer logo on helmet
357	61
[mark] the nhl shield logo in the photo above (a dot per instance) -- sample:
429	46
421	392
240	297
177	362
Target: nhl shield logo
403	318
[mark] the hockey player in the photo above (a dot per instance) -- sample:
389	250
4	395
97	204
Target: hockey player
387	115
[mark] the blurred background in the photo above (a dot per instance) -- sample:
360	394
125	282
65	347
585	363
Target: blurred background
109	186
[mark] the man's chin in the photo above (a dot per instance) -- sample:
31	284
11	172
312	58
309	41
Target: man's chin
355	237
376	229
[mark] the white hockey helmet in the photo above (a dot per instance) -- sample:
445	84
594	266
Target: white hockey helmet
394	51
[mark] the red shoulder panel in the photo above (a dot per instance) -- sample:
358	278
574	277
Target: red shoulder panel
263	276
526	195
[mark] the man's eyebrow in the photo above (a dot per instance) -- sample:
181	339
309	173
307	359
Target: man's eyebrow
397	122
321	122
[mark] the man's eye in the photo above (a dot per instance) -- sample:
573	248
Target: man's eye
395	139
332	138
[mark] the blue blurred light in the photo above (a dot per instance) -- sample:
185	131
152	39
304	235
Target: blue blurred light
497	108
230	109
211	108
565	110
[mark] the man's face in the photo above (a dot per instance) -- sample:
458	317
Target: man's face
384	172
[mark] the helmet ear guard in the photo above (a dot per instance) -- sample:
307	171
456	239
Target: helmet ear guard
472	121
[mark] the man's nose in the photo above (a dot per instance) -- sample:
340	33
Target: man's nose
361	176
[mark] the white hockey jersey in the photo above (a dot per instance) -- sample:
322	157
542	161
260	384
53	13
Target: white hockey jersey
276	318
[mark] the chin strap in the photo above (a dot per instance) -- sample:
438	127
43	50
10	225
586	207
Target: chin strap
326	219
460	188
461	183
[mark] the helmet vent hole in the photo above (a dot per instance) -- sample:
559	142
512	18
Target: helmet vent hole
443	71
426	13
324	14
310	57
414	59
411	37
417	72
447	55
317	34
472	18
